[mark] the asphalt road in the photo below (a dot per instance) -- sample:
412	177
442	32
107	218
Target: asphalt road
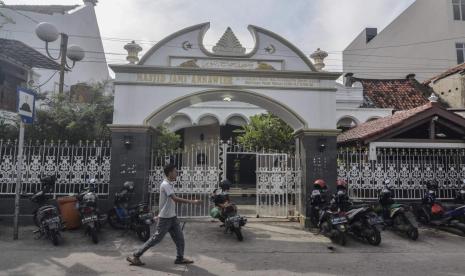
269	248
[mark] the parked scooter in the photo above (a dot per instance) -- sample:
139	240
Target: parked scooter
434	213
137	218
226	211
397	216
363	222
46	216
331	221
91	219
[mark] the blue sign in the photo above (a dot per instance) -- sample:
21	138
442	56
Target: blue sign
26	104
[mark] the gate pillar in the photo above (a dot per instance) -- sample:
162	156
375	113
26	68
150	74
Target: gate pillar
131	148
318	157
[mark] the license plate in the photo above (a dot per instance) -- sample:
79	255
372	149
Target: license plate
146	216
339	220
89	219
52	223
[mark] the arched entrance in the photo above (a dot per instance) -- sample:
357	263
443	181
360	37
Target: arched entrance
266	182
179	72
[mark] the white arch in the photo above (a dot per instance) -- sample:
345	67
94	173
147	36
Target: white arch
277	108
372	118
242	116
179	121
357	122
206	115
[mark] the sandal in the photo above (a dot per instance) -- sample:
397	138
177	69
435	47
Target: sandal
184	261
134	261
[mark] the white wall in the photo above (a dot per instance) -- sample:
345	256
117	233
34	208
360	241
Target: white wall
81	21
451	89
423	21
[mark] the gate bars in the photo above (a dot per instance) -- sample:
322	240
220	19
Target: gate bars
73	166
201	167
407	168
198	176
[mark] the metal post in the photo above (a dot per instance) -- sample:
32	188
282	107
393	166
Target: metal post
19	166
63	50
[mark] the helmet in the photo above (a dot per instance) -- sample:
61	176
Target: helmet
128	185
319	184
341	184
225	185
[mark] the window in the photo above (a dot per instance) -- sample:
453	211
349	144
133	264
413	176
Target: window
458	9
460	47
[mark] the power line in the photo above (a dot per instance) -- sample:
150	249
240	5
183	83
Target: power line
115	39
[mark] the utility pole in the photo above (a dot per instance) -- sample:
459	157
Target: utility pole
19	174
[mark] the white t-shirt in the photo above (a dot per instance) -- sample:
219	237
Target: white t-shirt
167	205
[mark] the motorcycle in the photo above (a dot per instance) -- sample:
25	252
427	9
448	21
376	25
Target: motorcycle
228	214
433	213
137	218
397	216
333	224
362	221
90	217
46	216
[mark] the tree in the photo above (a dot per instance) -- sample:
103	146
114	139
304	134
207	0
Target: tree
62	119
166	141
269	132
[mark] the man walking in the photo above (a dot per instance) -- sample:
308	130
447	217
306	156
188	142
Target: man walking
168	222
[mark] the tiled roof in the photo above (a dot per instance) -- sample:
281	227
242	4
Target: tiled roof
451	71
398	94
45	9
20	52
371	128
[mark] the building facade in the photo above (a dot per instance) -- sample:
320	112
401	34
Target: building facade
78	21
450	86
426	39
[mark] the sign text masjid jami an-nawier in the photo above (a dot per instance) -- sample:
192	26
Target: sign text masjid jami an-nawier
181	79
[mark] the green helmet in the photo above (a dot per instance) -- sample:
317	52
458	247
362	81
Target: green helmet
215	212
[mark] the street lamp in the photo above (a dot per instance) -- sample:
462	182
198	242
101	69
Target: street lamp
48	32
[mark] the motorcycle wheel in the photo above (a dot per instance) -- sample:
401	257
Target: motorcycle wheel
54	238
342	238
93	232
412	233
143	232
238	233
375	237
112	218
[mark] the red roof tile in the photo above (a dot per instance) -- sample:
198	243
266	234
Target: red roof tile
450	71
369	129
398	94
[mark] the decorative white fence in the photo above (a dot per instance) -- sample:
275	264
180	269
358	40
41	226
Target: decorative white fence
409	169
198	176
278	185
201	167
73	166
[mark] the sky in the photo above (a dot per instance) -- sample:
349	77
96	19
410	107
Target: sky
309	24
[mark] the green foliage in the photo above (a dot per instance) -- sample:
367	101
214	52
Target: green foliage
166	141
269	132
8	131
73	122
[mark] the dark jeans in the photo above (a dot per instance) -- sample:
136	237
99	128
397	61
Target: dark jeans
165	225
